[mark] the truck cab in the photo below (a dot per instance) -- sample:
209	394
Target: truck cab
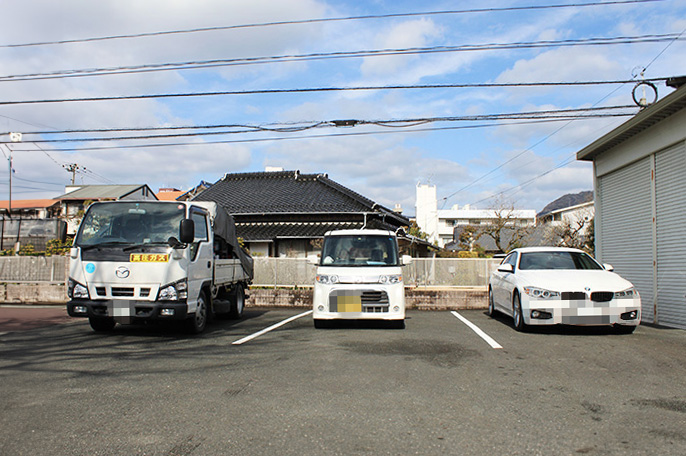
359	276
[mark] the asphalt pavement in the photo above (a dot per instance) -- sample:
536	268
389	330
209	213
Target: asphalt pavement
437	387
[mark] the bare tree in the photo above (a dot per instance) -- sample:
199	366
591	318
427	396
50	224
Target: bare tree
505	230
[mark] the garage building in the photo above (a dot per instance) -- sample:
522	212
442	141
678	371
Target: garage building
640	204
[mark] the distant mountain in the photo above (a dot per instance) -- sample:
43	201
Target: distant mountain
570	199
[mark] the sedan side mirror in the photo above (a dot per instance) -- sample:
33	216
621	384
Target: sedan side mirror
187	231
507	267
608	267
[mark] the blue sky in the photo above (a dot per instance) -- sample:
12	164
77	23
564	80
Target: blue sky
483	166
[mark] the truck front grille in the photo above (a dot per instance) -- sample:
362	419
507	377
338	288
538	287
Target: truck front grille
122	292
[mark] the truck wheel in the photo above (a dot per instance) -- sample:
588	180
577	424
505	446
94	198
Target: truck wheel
196	324
237	302
102	324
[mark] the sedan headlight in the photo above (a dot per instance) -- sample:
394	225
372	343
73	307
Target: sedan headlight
77	291
327	279
174	291
391	279
628	293
540	293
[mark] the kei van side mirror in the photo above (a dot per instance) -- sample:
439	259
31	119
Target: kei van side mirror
405	260
187	231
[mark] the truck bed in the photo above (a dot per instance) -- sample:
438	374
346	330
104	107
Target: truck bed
229	271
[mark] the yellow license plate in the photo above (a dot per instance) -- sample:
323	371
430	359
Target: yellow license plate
148	258
349	304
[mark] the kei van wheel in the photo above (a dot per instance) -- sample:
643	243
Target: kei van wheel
517	315
196	324
102	324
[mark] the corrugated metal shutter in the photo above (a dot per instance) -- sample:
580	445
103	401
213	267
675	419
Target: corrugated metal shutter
626	227
670	196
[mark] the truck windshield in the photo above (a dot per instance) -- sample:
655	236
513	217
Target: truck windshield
360	250
130	223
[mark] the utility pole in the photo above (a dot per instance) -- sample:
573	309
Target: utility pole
72	168
14	137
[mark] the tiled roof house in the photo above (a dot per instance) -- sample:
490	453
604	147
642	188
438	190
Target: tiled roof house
286	213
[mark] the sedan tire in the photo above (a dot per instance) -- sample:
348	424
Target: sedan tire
517	315
491	304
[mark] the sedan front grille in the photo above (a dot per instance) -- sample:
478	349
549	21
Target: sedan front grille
602	296
573	295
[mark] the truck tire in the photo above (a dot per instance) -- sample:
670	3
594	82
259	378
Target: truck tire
102	324
197	322
237	302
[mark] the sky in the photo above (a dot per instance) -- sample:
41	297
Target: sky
398	138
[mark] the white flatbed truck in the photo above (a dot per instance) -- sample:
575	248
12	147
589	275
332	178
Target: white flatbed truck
141	261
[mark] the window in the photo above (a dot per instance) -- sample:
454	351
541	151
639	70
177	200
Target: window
200	222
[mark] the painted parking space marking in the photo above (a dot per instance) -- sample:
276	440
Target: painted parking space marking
271	328
489	340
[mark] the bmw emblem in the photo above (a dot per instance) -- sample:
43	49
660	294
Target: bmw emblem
122	272
587	289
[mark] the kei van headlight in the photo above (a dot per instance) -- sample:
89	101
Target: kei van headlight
540	293
327	279
77	291
174	291
628	293
391	279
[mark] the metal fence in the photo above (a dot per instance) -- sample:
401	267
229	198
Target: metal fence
33	269
423	272
279	272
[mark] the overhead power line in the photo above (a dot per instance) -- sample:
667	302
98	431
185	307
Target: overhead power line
304	137
322	20
581	113
145	68
318	89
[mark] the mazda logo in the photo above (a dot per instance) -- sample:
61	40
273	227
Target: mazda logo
122	272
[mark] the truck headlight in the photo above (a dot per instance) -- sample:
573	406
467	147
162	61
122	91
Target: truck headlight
77	291
327	279
391	279
174	291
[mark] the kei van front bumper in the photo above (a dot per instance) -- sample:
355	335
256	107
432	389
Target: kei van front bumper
127	311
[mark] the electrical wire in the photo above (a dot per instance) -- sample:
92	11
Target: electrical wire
322	20
564	114
331	135
595	41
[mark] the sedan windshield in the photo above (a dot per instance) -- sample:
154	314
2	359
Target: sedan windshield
129	223
557	260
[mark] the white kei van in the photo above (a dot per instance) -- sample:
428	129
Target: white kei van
359	276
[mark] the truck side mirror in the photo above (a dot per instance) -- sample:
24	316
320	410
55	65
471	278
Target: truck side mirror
187	231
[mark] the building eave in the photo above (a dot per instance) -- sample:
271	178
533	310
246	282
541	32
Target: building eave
646	118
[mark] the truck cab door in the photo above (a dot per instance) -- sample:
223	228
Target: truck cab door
200	267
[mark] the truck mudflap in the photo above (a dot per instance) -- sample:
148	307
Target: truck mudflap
129	311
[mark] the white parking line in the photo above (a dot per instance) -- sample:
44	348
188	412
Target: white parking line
478	330
272	327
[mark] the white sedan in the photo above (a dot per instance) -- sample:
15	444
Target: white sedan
556	285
